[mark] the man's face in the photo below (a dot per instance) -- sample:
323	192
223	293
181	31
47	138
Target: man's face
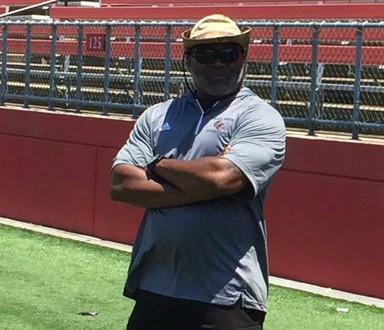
216	69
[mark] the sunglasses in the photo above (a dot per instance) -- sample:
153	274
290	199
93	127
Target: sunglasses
206	55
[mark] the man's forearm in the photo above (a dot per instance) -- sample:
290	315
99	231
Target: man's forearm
204	178
131	185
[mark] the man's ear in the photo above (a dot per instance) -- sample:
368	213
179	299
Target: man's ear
187	61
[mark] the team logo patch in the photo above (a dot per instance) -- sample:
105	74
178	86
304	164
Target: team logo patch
219	125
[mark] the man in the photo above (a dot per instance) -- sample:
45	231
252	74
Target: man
201	165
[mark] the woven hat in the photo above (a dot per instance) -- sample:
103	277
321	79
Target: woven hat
214	29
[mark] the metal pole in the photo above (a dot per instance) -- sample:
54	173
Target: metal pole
52	68
107	65
79	71
4	65
137	68
27	89
356	94
275	73
314	72
167	68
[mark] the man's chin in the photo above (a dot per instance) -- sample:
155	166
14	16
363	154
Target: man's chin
218	90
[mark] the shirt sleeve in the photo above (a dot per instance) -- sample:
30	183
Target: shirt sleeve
258	145
138	149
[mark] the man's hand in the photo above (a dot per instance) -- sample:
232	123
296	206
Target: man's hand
225	151
152	175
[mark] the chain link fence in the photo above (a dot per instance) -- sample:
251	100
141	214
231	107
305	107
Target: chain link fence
325	76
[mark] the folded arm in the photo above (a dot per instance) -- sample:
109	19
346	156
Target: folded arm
185	182
204	178
131	185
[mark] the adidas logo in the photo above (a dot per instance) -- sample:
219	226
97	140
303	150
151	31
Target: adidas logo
165	127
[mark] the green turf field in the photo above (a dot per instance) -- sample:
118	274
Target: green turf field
46	281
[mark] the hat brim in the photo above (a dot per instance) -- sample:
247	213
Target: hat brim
241	39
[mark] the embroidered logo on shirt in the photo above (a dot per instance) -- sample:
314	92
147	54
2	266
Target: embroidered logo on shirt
165	127
219	125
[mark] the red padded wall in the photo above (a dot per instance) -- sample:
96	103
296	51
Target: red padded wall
325	215
47	182
113	220
55	171
324	211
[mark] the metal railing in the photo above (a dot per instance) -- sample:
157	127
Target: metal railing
319	75
25	8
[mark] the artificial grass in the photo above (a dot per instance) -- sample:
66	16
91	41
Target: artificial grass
297	310
46	281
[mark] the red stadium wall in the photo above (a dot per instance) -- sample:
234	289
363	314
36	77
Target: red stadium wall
325	210
325	215
55	171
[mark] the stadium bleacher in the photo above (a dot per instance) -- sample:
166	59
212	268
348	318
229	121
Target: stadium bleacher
280	11
336	51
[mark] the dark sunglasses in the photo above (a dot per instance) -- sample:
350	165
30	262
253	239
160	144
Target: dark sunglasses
206	55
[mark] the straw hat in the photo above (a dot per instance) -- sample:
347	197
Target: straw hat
215	29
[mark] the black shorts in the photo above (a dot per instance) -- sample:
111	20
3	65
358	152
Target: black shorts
157	312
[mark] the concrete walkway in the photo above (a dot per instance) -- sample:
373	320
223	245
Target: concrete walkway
328	292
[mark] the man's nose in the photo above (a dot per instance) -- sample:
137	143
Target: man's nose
219	62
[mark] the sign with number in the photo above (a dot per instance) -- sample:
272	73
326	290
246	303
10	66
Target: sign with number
95	42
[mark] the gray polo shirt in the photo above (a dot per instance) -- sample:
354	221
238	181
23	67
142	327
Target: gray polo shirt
213	251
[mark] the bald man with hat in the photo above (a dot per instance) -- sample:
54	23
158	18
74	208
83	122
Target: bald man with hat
201	165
